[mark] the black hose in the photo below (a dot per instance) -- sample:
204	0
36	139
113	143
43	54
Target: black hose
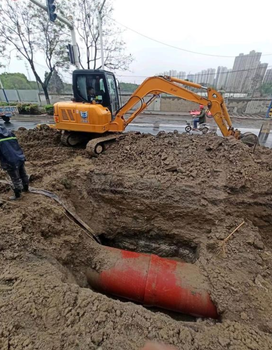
74	216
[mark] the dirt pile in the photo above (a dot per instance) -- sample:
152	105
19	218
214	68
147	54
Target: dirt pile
174	195
178	157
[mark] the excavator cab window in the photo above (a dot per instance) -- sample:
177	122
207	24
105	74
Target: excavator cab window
89	86
82	87
113	93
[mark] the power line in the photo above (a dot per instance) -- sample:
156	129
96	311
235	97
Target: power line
176	47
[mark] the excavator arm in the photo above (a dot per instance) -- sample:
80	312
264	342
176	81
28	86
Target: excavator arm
156	85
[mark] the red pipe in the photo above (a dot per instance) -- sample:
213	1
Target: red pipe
153	281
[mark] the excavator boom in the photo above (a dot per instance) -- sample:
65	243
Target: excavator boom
156	85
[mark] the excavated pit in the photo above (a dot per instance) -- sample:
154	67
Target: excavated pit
142	242
176	196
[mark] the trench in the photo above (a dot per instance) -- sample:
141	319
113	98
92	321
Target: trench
170	247
141	224
182	250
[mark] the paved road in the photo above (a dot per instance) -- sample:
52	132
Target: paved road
152	128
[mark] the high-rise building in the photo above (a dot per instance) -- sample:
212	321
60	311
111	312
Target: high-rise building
203	77
221	77
181	75
191	77
197	78
268	77
210	76
246	72
259	76
172	73
228	80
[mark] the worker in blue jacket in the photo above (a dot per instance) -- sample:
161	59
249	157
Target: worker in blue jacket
12	160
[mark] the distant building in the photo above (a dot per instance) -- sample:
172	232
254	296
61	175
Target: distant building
203	77
197	78
172	73
228	80
181	75
176	74
247	72
268	77
210	76
221	77
191	77
259	76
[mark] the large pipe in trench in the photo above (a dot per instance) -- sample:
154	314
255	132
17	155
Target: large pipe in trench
147	279
151	281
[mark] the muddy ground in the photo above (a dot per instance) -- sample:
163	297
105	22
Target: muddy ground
174	195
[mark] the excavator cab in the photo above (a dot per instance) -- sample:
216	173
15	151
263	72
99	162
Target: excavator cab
96	86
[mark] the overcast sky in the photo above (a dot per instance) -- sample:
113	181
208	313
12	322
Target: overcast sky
210	27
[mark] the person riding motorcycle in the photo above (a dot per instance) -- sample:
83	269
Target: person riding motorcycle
201	119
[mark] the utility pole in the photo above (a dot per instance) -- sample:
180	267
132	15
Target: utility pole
100	33
70	25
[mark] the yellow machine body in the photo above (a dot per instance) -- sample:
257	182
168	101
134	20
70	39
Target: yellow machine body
82	117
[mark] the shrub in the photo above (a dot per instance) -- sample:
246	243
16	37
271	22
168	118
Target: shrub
4	104
28	108
49	109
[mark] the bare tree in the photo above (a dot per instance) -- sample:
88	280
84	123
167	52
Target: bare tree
26	29
85	16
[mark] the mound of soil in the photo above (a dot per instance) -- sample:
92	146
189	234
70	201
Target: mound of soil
174	195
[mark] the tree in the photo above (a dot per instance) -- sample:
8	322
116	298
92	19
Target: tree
85	16
266	89
26	29
128	87
17	81
55	84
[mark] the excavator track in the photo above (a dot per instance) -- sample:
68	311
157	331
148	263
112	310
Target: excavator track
70	138
97	146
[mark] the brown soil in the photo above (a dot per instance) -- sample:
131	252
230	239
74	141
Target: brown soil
174	195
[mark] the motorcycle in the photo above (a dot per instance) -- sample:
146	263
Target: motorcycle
204	128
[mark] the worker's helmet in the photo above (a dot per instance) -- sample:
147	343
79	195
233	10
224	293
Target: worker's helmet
201	106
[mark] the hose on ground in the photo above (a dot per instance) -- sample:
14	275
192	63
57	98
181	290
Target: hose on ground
72	215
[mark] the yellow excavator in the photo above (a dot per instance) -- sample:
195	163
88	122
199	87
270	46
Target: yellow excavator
95	115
